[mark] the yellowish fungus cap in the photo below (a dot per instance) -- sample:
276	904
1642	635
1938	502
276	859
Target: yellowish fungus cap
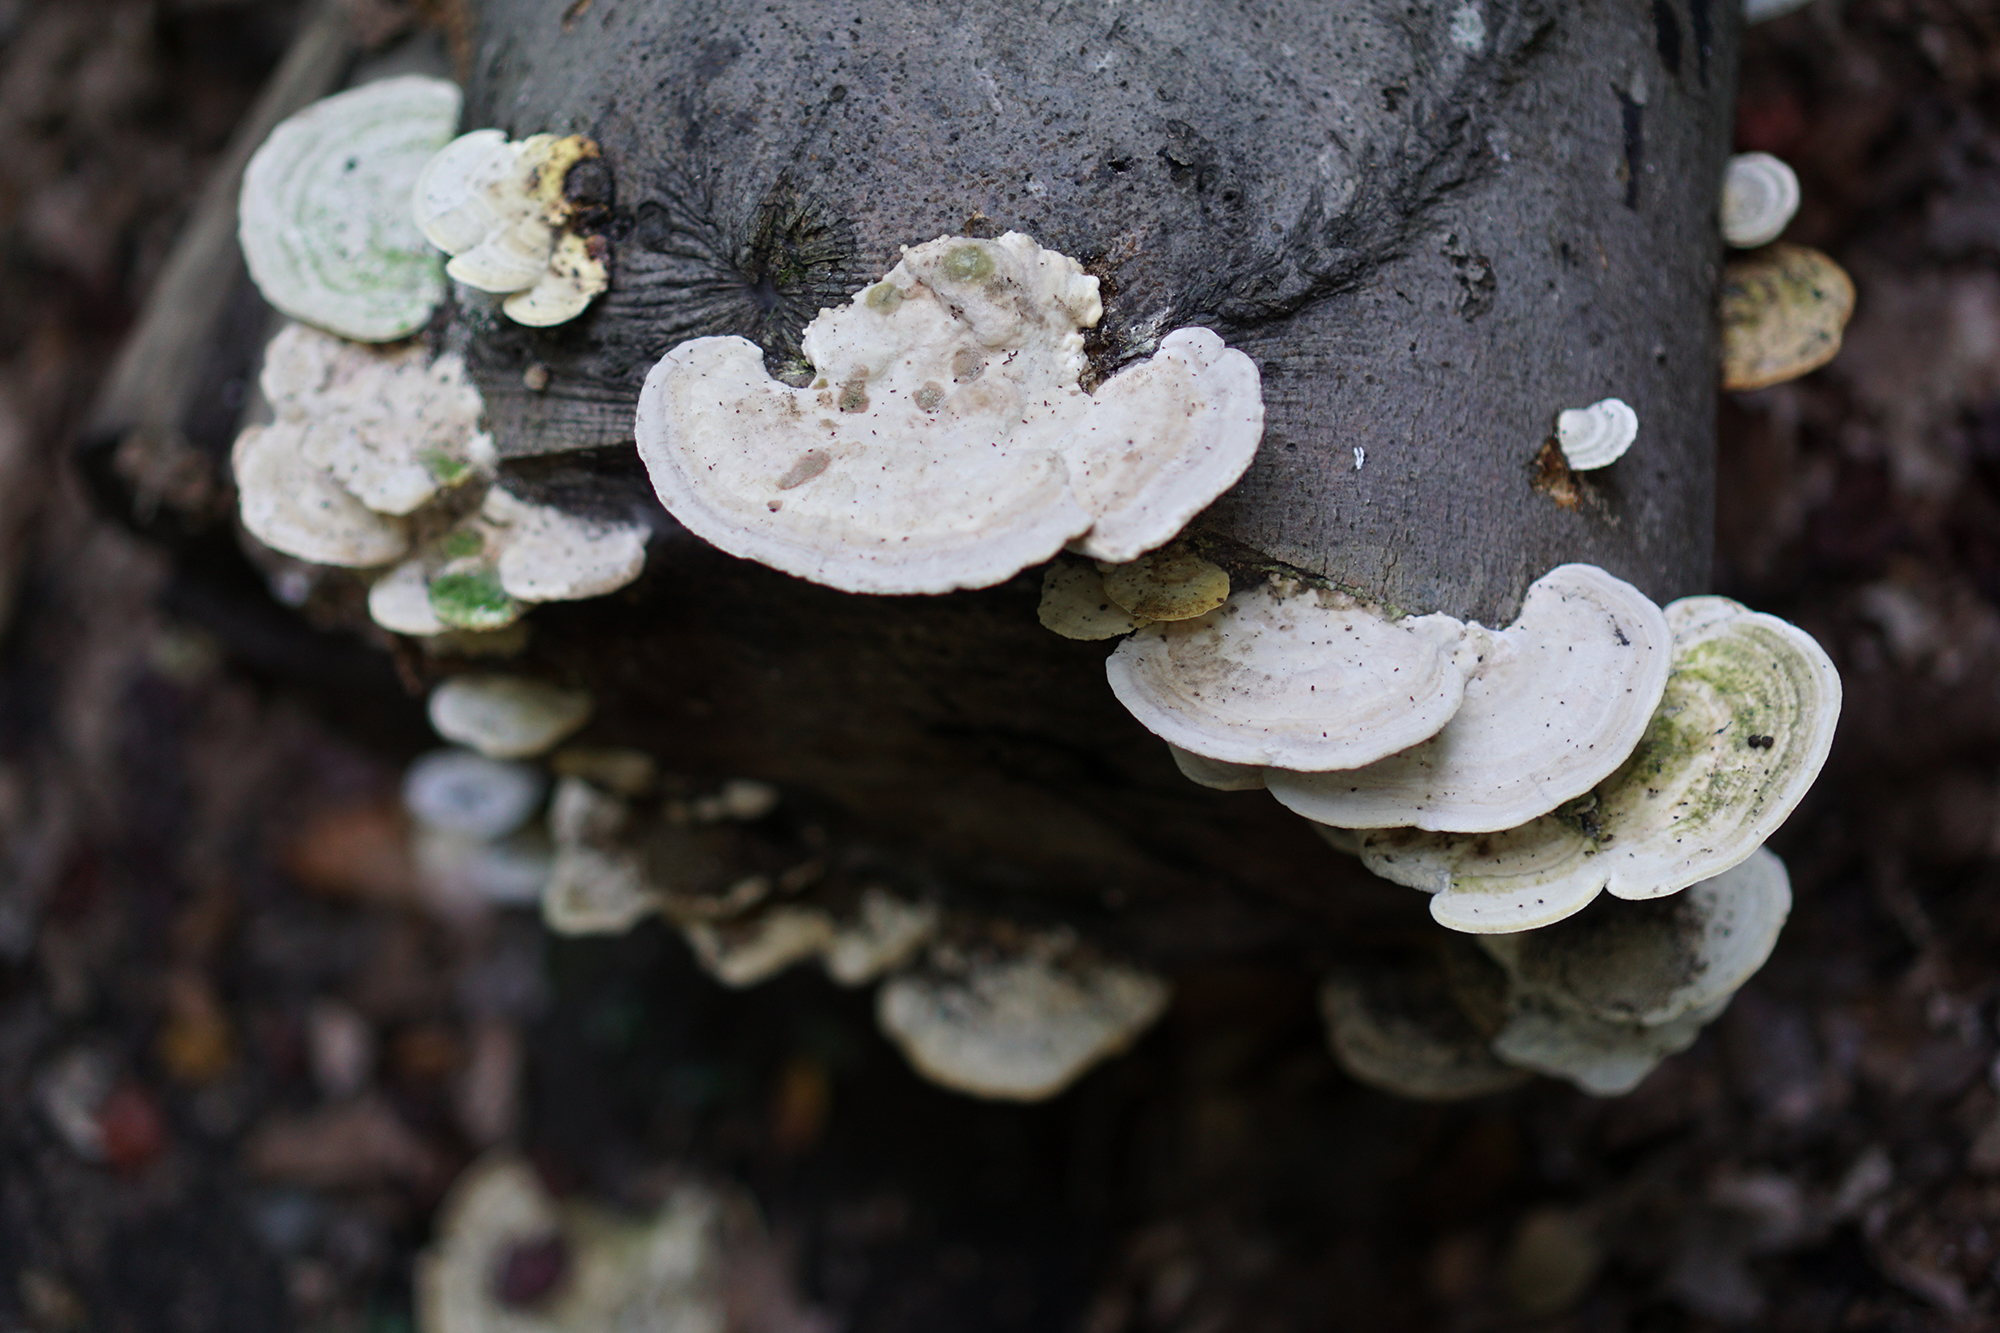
1784	309
1172	583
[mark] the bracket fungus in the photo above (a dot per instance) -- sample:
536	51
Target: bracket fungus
1759	196
1400	1029
293	507
945	441
492	568
1287	676
1744	726
1172	583
321	217
510	1258
1555	703
464	792
1784	309
507	717
392	426
1075	604
1596	436
498	207
1016	1019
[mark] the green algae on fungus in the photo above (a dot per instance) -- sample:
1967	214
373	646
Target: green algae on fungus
968	263
1744	726
473	599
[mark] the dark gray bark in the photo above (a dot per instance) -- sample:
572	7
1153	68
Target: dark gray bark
1433	226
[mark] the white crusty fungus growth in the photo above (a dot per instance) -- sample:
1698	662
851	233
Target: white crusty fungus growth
498	208
1555	703
1740	734
1759	196
882	933
507	717
510	1258
1784	310
1172	583
1596	436
1075	605
321	216
753	949
1016	1022
391	425
946	442
1286	676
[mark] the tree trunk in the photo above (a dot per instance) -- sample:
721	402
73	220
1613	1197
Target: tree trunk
1432	228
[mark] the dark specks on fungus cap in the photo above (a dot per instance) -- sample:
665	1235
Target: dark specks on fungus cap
959	446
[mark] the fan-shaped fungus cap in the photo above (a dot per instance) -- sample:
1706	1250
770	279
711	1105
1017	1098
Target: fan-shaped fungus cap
507	1258
1143	470
884	932
458	791
507	717
390	425
1557	702
1075	605
596	885
1654	962
321	217
294	507
1400	1030
755	948
1291	677
549	555
1214	774
1740	734
1019	1026
1603	1059
497	207
1596	436
1172	583
1784	310
930	452
1759	196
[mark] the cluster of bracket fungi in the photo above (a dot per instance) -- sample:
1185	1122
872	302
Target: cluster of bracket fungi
1584	792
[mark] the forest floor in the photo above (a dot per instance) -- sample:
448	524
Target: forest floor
241	1060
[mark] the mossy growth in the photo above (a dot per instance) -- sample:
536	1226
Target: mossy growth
473	599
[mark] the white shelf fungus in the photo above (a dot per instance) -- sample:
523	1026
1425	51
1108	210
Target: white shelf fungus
292	506
1784	311
321	216
945	442
1744	726
507	717
1075	605
1759	196
597	884
1291	677
756	948
459	791
1653	962
1400	1031
496	564
1214	774
1556	702
1596	436
390	425
885	932
509	1258
497	207
1018	1025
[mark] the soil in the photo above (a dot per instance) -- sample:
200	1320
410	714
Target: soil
242	1058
